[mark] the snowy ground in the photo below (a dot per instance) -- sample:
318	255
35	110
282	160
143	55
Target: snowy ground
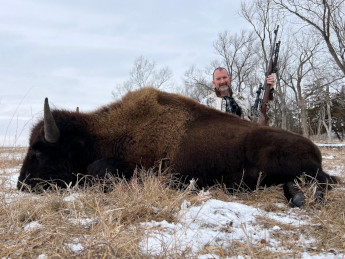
338	145
215	224
206	229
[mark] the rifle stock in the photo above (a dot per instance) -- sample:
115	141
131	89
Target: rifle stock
271	68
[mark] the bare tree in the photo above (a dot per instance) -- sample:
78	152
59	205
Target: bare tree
239	55
338	112
326	17
264	20
328	126
281	88
297	72
324	80
145	73
197	83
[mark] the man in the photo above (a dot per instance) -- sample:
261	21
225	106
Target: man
225	100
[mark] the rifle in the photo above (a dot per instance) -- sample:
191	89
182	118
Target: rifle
257	103
271	68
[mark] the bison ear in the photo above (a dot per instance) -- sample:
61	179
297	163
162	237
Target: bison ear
51	131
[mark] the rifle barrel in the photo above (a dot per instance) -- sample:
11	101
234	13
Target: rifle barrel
270	68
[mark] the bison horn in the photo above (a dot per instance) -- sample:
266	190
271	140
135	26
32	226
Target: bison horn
51	131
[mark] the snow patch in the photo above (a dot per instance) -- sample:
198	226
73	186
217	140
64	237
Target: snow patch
75	247
327	157
216	224
33	225
71	198
331	145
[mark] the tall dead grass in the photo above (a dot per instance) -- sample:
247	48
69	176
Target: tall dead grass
86	219
86	222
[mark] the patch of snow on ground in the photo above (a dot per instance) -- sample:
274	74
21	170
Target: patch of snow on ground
295	217
33	225
331	145
10	177
338	171
72	198
75	247
10	156
86	222
215	223
327	157
306	255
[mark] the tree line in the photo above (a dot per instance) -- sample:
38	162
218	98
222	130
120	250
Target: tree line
310	82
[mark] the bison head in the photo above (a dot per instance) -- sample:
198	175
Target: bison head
55	153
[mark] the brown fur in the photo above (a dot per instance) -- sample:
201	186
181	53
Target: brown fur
199	142
152	122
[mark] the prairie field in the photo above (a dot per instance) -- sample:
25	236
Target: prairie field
148	217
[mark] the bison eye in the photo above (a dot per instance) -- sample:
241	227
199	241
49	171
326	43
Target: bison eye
39	155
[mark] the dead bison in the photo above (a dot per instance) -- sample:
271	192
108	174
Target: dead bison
148	125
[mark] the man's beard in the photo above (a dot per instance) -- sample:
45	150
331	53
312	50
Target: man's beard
223	88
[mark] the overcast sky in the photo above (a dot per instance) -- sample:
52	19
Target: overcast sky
76	52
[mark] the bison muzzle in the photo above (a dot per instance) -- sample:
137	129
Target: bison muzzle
149	125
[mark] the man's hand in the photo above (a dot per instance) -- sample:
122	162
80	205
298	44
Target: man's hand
270	81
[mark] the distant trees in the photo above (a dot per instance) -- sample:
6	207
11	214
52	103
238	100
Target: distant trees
326	19
237	53
145	73
197	83
311	62
238	56
338	114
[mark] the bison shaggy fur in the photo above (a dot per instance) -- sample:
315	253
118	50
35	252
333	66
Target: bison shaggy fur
197	142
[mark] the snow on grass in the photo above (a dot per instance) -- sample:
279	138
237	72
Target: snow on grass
72	198
339	145
327	157
218	224
33	225
12	155
86	222
337	171
75	247
10	176
8	180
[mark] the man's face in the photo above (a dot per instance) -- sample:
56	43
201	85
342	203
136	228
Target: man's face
221	81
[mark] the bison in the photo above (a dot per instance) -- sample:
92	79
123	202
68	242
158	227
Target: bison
148	125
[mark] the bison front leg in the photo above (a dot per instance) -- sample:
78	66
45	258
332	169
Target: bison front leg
293	194
110	165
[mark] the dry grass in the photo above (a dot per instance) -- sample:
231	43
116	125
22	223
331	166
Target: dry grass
107	225
104	223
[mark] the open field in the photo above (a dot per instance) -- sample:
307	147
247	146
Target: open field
145	218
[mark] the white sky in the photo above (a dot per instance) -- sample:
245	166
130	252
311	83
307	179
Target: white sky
76	52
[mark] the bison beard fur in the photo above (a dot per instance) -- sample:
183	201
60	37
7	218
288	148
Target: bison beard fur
149	125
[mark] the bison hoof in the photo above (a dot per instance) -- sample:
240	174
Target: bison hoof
297	200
